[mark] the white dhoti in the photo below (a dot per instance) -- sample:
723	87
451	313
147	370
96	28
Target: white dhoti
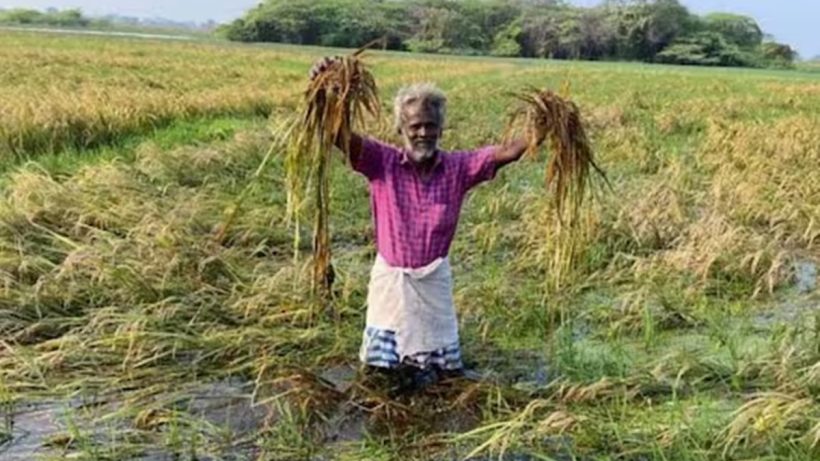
411	317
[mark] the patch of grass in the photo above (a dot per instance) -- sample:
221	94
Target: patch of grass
177	133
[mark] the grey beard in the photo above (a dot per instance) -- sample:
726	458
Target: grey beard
418	154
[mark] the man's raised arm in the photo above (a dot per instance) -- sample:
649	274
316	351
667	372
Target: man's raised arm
510	152
513	150
353	148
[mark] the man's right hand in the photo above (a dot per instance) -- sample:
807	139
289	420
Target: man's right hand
323	65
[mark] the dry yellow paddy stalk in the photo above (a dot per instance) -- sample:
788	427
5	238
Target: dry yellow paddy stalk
546	116
335	100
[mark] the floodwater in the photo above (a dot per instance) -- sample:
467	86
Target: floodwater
44	429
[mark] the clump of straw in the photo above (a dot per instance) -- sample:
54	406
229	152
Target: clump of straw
335	100
544	115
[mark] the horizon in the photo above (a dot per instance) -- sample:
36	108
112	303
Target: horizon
788	22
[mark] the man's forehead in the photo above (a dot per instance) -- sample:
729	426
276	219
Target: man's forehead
420	109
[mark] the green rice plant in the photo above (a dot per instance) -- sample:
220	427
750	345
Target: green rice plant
289	438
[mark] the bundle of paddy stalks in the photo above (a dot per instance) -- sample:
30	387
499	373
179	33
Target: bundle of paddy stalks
336	100
542	116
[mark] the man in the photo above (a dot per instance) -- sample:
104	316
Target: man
416	193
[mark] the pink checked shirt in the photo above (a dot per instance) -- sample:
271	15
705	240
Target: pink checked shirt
415	219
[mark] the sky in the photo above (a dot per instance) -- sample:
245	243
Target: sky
791	21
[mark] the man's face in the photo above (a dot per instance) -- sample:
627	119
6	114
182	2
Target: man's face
421	130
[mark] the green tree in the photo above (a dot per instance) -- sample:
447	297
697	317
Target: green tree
707	49
507	41
61	18
646	27
570	36
740	30
778	54
445	29
491	16
540	36
647	30
68	18
21	16
598	30
346	23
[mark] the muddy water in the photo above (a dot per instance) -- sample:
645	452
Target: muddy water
43	429
31	429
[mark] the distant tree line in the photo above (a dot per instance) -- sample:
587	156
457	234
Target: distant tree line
50	17
644	30
74	18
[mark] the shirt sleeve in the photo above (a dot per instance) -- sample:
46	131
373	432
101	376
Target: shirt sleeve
370	162
477	166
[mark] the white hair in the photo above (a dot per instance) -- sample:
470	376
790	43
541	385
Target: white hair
427	94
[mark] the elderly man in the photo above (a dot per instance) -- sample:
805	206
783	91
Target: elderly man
416	193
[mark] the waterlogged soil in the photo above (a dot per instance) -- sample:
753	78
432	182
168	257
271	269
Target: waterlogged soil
48	429
32	429
53	429
56	429
801	306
